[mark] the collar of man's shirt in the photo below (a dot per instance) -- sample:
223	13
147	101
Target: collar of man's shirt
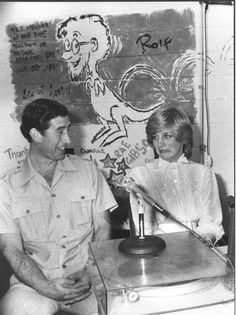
28	171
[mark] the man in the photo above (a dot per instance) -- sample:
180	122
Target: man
50	209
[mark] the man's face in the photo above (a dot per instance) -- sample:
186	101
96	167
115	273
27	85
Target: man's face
75	49
53	142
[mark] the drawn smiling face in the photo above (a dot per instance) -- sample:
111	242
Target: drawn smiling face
76	49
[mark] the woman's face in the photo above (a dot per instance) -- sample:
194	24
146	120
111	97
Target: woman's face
166	145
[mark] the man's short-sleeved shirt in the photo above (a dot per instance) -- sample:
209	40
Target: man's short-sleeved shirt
55	222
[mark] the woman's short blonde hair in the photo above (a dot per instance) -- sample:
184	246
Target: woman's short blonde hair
171	118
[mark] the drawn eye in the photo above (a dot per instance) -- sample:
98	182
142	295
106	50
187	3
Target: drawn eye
67	45
75	46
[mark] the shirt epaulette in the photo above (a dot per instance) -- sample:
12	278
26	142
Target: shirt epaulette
14	170
76	158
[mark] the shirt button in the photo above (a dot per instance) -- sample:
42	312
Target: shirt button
63	246
53	195
82	197
64	236
27	211
64	266
58	216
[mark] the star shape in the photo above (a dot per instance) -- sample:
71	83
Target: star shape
108	161
115	179
122	166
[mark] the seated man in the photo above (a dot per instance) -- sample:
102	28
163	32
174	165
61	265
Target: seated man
50	209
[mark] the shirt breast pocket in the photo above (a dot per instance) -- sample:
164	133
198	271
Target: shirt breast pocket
81	203
29	217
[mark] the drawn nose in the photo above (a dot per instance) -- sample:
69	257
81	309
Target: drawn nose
66	55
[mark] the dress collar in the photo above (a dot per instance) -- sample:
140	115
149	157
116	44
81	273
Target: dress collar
182	159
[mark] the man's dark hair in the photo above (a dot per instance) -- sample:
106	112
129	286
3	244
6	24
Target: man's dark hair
38	113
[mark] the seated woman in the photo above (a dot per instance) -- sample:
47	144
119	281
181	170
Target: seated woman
186	189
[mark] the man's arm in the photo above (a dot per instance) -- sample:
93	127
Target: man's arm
27	271
102	226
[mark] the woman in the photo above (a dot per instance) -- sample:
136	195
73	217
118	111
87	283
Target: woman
185	189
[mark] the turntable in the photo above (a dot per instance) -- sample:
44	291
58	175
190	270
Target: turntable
184	275
156	274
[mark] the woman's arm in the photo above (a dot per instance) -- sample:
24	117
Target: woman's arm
210	222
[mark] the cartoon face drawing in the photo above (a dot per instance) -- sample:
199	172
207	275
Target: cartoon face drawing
75	51
85	42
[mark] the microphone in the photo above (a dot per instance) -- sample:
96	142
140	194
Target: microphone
130	185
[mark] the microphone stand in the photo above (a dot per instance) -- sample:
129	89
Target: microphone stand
141	216
141	244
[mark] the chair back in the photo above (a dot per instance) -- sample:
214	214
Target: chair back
231	240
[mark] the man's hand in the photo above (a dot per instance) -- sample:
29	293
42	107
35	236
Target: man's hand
69	291
82	277
82	283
